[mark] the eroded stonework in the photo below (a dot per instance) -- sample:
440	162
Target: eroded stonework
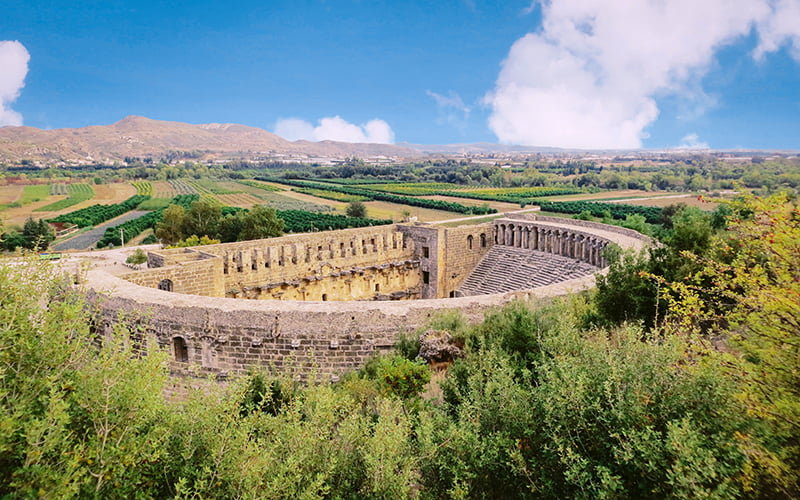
325	302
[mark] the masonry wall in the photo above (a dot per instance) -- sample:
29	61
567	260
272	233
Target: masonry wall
197	277
398	280
464	248
351	264
430	253
226	336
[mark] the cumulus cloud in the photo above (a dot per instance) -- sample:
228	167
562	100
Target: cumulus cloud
589	78
452	109
335	129
13	69
692	141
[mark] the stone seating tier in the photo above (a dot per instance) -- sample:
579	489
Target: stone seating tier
506	268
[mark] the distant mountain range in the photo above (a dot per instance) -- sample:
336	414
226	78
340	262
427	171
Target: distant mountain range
140	137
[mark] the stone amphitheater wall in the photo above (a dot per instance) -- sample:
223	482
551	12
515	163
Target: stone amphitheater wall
226	336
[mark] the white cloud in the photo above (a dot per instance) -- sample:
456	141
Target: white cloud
692	141
452	109
781	27
335	129
13	69
590	76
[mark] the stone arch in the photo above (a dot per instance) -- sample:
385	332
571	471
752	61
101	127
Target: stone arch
166	285
483	240
470	240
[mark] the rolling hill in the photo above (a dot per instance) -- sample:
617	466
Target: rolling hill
136	136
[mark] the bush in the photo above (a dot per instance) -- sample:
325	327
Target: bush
137	257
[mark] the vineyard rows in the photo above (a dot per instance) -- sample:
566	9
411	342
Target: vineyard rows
510	195
259	185
239	200
77	193
143	188
331	195
181	186
211	187
598	209
59	189
300	221
388	197
163	189
135	227
95	214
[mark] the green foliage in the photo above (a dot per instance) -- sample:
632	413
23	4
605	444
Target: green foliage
260	222
202	219
35	235
261	185
592	415
620	211
34	192
331	195
628	292
95	214
537	408
193	241
749	294
137	257
76	422
154	204
169	228
356	209
382	196
143	188
400	377
298	221
76	194
135	227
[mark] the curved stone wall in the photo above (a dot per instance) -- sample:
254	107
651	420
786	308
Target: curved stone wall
226	335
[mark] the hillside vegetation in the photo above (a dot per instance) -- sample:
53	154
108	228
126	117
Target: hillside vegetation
692	395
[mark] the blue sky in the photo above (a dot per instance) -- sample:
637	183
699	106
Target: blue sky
582	73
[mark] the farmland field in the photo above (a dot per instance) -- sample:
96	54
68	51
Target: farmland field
663	201
395	211
182	186
76	193
163	189
243	200
9	194
500	206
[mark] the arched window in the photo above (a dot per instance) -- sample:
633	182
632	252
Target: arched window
377	287
483	240
469	242
165	285
324	297
180	350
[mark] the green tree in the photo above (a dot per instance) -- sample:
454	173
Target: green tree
591	414
749	295
627	292
37	234
356	209
260	222
230	227
203	218
171	227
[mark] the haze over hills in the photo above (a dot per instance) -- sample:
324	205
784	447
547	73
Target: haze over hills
136	136
140	137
